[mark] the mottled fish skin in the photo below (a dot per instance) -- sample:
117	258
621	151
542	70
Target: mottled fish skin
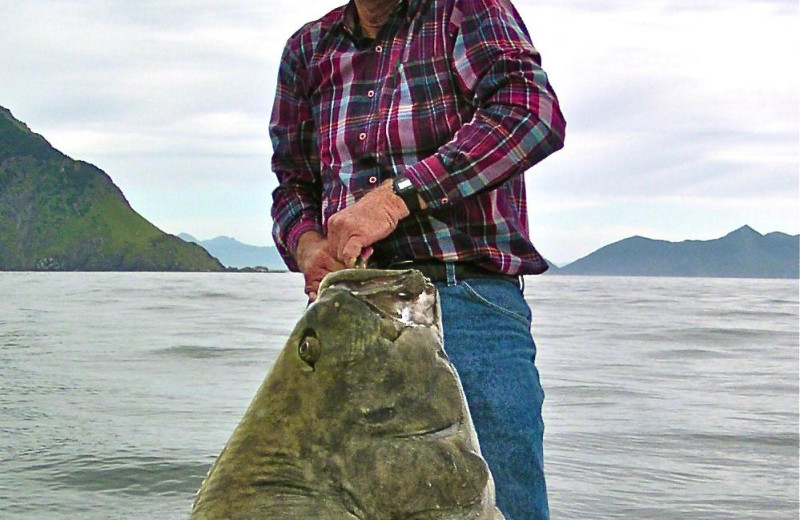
362	417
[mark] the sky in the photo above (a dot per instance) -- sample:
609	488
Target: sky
682	114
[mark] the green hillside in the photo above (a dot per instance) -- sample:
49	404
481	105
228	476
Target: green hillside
60	214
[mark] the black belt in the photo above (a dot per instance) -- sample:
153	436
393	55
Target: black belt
436	271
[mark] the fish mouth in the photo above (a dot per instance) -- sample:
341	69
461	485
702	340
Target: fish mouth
381	419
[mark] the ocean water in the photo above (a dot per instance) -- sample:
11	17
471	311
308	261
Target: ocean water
667	398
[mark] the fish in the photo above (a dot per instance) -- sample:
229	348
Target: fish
361	417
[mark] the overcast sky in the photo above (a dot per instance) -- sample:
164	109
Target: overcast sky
682	115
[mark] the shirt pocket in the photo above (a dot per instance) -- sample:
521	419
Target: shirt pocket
424	110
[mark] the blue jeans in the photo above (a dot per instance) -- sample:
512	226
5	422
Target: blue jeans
487	337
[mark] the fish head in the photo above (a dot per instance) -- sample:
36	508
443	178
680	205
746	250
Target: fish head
369	354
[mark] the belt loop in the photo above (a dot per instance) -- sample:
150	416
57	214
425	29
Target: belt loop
450	268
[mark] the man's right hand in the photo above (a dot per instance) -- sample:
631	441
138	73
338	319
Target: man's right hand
315	260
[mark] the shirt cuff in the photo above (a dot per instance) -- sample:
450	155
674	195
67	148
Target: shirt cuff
435	184
297	230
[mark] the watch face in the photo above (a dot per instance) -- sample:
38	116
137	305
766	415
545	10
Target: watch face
404	184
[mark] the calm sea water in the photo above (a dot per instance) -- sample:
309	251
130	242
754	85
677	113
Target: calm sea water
666	398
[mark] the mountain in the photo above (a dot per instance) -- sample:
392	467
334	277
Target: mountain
233	253
743	253
60	214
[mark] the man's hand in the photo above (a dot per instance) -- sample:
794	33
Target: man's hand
315	259
357	227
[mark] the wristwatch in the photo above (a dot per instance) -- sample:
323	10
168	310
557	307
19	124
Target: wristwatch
403	188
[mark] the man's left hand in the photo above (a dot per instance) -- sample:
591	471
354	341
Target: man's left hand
372	218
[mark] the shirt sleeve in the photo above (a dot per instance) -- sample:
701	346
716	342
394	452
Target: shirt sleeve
296	201
517	120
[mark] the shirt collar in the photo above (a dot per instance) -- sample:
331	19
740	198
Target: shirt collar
349	16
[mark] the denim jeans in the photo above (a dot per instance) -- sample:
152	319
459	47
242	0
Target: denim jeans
487	337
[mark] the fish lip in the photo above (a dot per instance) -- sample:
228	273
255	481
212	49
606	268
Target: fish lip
432	434
384	425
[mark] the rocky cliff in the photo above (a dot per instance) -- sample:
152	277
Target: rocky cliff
57	213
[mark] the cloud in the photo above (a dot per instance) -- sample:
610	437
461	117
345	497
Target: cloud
659	6
689	102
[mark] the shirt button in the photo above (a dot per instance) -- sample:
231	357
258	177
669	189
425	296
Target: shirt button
444	200
371	93
362	136
379	48
373	180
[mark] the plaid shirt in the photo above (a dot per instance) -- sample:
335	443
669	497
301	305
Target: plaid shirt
451	92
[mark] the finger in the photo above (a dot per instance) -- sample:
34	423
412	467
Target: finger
312	297
351	251
332	264
334	233
331	261
312	286
339	246
366	253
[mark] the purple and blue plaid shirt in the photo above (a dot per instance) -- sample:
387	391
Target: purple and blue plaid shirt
451	92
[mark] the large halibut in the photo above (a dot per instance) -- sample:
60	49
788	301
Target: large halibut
362	417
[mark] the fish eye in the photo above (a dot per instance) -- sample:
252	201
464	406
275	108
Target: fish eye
309	349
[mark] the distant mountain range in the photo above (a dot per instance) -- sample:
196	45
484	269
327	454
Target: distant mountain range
59	214
743	253
233	253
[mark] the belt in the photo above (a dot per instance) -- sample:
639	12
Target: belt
436	271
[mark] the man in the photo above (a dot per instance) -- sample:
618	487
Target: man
401	130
